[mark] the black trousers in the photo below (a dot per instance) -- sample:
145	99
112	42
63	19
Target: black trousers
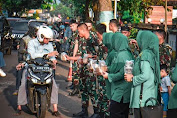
172	113
119	110
137	113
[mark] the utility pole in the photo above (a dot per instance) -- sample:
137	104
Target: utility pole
115	8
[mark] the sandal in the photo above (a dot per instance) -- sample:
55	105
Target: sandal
18	112
56	113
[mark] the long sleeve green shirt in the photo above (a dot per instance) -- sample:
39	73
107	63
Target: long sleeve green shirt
146	77
119	87
172	104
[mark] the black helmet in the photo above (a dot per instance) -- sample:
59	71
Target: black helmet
33	28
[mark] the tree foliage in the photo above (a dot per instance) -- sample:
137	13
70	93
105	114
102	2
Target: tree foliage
23	5
79	8
63	10
135	10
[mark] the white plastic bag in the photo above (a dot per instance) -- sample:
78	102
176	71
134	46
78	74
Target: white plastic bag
63	56
128	68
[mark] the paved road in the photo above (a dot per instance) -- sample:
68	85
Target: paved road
67	105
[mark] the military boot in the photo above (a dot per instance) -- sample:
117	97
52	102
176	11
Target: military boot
102	115
83	113
75	90
96	113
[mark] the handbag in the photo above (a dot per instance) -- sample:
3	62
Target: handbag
153	111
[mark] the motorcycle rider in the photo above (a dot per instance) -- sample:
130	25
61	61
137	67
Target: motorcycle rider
40	47
31	34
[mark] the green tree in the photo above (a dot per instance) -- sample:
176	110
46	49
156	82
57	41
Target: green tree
20	6
79	8
46	4
136	9
63	10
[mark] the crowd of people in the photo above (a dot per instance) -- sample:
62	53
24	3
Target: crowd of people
114	91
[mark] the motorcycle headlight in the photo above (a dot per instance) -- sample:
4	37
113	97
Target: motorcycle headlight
13	35
34	80
48	81
49	75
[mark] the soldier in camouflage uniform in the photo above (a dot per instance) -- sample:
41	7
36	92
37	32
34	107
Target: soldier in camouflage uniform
88	80
125	30
113	25
103	101
165	50
72	41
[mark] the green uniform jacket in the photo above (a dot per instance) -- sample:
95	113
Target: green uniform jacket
119	87
172	104
146	69
107	40
149	89
109	59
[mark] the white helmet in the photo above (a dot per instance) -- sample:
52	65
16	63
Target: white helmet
44	31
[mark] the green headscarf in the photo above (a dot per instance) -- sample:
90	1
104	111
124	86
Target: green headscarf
148	43
107	39
119	42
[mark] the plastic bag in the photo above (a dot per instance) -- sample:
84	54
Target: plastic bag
63	56
128	68
85	59
103	65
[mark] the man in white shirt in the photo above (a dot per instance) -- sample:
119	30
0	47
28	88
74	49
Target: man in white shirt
40	47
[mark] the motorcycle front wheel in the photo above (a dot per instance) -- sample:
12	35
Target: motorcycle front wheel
41	102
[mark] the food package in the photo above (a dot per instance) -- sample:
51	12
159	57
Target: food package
91	64
63	56
128	68
97	69
85	59
103	65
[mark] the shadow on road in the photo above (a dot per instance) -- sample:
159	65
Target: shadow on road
12	100
12	71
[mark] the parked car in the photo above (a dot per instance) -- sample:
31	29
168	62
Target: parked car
5	36
18	30
12	20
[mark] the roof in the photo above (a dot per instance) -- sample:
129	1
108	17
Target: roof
148	26
13	18
171	2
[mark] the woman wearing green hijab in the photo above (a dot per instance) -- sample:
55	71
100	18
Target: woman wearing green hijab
146	71
120	89
172	104
107	39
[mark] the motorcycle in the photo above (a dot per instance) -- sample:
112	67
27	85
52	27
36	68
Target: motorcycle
39	85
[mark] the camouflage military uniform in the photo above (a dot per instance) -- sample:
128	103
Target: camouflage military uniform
165	54
81	67
88	80
72	40
134	49
103	101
